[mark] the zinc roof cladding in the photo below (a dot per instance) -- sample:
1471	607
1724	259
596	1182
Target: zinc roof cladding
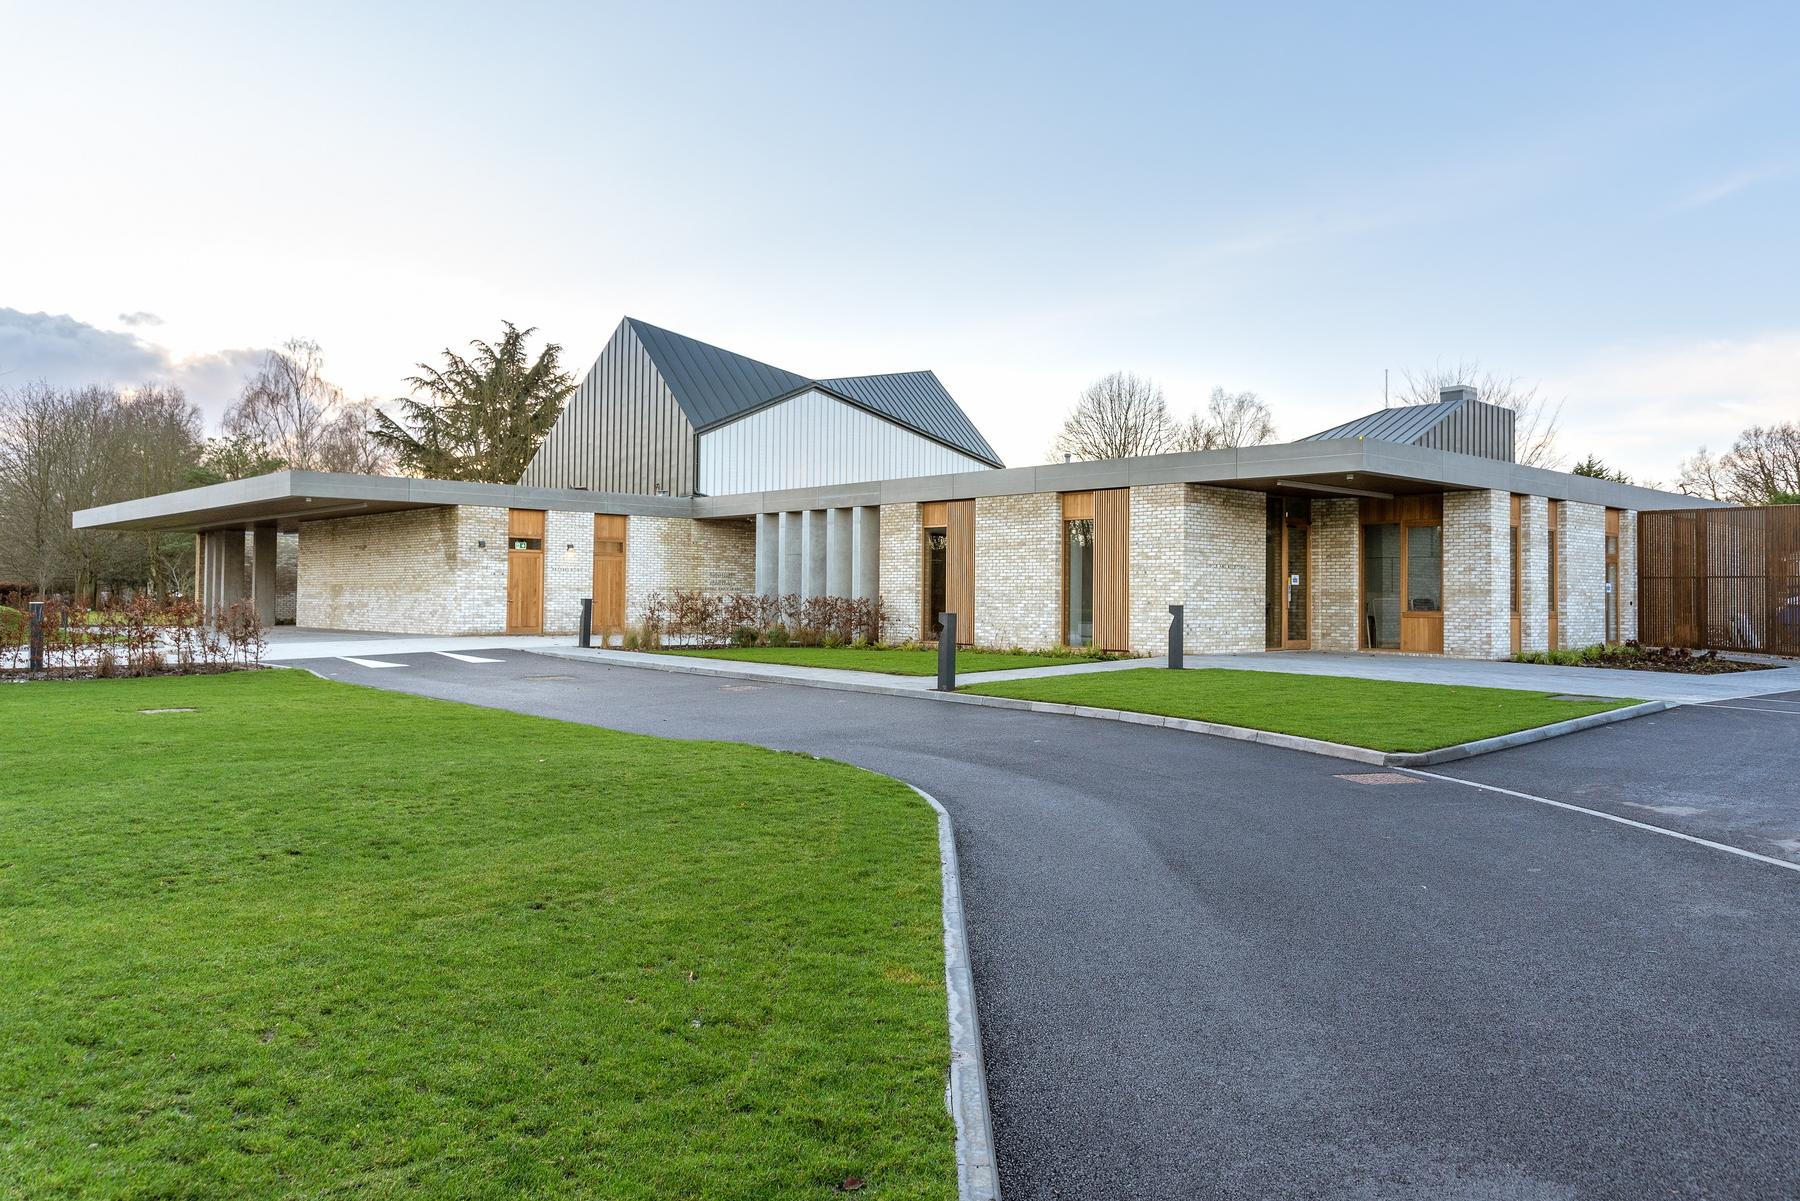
713	386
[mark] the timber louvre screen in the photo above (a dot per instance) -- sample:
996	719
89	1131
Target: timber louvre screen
1720	579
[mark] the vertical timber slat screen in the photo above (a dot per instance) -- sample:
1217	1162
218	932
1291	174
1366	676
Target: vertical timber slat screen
1720	579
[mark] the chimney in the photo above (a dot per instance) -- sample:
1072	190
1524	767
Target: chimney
1455	393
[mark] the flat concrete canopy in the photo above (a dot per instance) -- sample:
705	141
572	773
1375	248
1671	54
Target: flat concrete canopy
1336	467
286	498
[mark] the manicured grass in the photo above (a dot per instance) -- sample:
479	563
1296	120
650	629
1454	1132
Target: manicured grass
1383	715
893	662
317	940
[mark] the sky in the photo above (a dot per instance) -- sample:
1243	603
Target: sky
1289	199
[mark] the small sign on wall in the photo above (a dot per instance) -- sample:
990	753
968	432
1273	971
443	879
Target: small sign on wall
1293	581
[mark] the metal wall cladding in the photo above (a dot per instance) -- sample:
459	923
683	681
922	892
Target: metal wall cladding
813	439
621	431
1475	428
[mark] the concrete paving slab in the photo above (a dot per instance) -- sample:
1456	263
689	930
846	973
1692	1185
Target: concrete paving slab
288	643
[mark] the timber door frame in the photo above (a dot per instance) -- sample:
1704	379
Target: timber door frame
957	519
1112	569
1421	630
1288	641
610	601
525	571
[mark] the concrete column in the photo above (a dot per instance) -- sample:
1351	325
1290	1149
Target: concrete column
788	577
837	552
768	554
262	569
865	552
231	567
812	553
211	580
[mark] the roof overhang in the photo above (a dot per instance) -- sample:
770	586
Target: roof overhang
284	499
1349	466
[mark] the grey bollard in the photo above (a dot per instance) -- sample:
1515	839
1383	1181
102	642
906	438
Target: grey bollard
1175	649
946	681
37	635
587	622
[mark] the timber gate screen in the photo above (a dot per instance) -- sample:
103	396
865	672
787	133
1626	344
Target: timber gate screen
1720	579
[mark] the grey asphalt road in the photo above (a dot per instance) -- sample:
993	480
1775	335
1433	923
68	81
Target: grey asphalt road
1728	771
1215	969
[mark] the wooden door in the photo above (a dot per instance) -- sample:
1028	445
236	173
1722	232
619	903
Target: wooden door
525	571
1296	585
1112	569
609	573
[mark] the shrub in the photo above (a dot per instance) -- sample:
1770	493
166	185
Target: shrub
775	635
744	635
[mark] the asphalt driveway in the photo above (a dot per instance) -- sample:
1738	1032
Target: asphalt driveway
1211	968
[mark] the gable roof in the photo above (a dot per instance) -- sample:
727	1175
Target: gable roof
916	399
1459	422
1403	423
714	386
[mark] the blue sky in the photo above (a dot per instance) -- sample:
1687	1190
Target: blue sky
1600	198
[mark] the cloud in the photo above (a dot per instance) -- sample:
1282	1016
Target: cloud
139	318
58	349
1729	186
1647	407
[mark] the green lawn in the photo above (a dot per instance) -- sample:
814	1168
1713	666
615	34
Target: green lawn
1383	715
316	940
912	662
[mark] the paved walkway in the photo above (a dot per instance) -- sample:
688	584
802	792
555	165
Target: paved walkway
1537	677
741	669
290	643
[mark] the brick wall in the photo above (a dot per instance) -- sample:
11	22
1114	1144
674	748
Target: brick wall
900	554
667	553
413	572
1224	578
1336	574
1534	549
1628	576
1478	574
1584	574
1158	564
568	569
1018	570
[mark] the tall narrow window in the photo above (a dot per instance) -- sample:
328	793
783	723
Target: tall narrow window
1553	519
1381	586
1424	568
1612	575
937	560
1078	581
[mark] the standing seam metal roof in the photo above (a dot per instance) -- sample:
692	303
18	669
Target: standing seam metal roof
1403	423
713	386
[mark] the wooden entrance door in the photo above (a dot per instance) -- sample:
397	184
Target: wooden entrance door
1296	584
609	573
525	571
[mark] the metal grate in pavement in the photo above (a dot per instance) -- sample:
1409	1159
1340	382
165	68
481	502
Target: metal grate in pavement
1380	777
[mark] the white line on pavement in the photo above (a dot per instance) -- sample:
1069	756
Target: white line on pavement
1611	817
369	662
1752	709
466	658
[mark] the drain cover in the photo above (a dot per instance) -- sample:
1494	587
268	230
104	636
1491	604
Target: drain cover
546	677
1380	777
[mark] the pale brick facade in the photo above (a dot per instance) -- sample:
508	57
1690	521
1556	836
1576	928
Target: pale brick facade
1584	574
1158	564
1534	576
1018	570
1628	576
663	554
901	551
1336	574
568	569
1201	548
418	572
1478	574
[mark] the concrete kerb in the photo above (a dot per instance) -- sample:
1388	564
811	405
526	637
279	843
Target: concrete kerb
977	1174
1292	742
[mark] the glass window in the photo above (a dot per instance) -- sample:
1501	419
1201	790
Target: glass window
1381	587
1078	582
1272	588
526	544
1612	602
1424	568
937	551
1518	568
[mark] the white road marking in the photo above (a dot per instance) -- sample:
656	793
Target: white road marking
369	662
1752	709
466	658
1611	817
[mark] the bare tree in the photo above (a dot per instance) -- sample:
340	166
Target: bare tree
1231	419
1117	417
1702	474
302	418
1536	417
